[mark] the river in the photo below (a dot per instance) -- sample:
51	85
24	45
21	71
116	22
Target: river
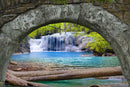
75	59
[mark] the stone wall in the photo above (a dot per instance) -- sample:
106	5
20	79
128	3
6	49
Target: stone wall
9	9
115	31
120	9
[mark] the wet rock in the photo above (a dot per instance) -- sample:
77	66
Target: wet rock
18	69
72	48
102	78
13	63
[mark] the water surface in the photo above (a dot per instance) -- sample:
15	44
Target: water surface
74	59
68	58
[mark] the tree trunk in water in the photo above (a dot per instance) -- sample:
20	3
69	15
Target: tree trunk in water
57	75
10	78
86	73
37	73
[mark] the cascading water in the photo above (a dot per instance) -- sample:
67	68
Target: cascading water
55	42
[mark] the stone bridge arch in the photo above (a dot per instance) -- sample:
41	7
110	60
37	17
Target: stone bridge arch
96	18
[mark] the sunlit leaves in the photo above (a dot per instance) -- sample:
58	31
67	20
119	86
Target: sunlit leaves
57	28
98	44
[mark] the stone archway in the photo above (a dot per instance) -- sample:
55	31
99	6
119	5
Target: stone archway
111	28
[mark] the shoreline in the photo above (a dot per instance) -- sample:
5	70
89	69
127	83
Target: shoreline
83	55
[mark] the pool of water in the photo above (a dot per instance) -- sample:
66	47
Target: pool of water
73	59
68	58
86	82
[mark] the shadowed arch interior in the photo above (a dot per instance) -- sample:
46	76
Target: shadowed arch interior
96	18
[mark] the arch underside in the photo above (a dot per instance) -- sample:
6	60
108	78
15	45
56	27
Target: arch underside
96	18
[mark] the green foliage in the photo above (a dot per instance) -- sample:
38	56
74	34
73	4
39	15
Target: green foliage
51	28
98	44
57	28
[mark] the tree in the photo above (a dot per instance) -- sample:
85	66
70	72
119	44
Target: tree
57	28
98	45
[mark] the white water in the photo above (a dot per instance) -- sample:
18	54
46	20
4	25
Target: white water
55	42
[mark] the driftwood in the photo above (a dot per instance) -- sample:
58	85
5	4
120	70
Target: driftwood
77	74
23	78
42	73
13	80
37	73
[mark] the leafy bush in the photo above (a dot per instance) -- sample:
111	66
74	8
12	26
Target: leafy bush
57	28
98	44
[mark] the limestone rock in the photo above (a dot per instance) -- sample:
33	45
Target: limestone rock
71	48
13	63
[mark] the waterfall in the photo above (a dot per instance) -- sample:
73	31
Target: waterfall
55	42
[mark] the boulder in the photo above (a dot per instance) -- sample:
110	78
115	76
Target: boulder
13	63
83	42
71	48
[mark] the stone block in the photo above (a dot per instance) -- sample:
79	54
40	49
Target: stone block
112	10
128	6
105	6
111	6
20	9
9	11
128	24
127	1
119	15
121	7
118	1
97	3
84	0
127	15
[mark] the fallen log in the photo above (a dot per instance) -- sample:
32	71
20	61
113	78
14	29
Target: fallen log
46	73
42	73
85	73
13	63
37	73
13	80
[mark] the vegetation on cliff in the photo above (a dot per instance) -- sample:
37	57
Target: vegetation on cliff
98	45
58	28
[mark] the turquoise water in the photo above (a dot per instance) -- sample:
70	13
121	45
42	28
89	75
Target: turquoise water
72	59
68	58
83	82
